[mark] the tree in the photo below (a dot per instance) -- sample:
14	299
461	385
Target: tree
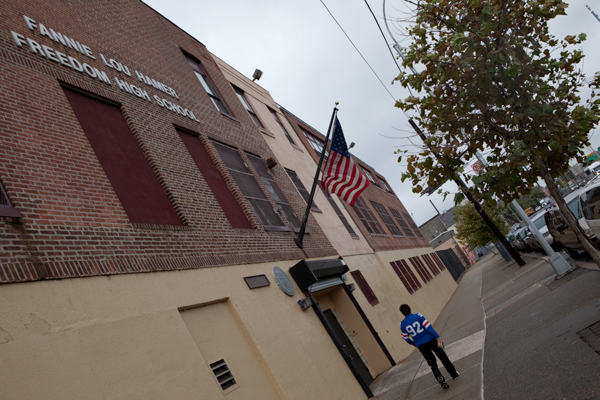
472	229
533	198
492	78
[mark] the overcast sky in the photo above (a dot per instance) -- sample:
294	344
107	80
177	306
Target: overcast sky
308	64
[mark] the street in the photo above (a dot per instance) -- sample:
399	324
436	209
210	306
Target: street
523	325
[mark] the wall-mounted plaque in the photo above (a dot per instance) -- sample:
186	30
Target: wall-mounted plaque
283	281
257	281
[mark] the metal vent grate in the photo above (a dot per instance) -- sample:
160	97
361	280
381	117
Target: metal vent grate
223	375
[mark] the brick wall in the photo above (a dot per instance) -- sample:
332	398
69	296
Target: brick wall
73	224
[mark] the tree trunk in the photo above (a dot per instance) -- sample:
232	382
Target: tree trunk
562	205
511	250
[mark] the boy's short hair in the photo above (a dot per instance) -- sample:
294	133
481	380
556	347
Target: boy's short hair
405	309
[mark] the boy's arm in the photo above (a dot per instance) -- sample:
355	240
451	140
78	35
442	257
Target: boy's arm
427	326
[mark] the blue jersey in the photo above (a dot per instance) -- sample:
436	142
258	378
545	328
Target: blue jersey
417	327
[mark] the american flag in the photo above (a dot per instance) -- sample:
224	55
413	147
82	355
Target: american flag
341	176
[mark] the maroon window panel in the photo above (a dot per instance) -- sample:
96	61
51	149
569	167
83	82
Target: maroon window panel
421	269
439	262
215	181
364	287
123	161
429	261
406	275
6	207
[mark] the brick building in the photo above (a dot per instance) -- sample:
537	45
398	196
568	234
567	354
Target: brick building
144	228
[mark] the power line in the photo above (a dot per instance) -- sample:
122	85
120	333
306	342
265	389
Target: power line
356	48
380	30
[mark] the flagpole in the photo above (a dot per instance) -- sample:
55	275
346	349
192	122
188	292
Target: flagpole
298	240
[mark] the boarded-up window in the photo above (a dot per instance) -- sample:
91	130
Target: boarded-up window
364	287
301	189
387	220
276	194
438	261
123	161
368	219
338	211
403	224
406	275
250	188
432	266
421	269
215	181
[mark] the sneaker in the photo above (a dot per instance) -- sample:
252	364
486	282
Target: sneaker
443	382
457	375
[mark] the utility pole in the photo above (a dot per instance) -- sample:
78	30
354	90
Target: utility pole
593	13
465	189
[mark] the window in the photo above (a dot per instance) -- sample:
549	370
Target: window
276	194
287	135
364	287
406	275
413	226
385	185
207	84
387	220
247	183
215	181
338	212
300	186
370	177
367	217
398	217
429	261
123	161
316	143
421	270
6	207
247	106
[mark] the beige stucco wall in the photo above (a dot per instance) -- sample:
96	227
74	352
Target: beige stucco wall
297	159
385	316
123	337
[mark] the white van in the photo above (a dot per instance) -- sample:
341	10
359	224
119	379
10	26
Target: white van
592	170
590	205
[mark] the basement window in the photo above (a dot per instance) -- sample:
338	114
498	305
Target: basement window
223	374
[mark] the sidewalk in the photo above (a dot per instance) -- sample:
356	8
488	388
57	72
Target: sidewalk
505	318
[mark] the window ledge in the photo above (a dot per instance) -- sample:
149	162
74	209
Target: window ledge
266	132
9	212
378	234
276	228
230	117
297	147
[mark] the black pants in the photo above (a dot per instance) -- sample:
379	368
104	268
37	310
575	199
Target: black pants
427	349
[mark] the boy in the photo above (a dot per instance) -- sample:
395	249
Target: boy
426	339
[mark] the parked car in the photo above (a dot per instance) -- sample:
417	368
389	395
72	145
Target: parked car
562	233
